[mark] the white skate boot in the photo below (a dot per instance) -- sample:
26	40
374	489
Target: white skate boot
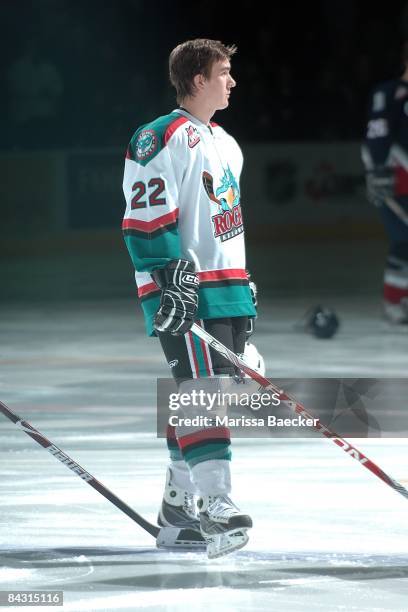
223	525
178	518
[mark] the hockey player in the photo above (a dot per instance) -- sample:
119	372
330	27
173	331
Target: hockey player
184	232
385	156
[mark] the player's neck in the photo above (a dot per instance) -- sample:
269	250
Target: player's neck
197	109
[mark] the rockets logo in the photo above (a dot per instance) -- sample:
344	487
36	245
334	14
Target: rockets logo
193	136
228	220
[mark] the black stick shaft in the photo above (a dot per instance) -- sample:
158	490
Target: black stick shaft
78	470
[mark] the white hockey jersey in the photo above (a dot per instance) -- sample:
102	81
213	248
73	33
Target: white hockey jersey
181	185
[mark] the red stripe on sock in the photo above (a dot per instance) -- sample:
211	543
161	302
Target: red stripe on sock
394	295
171	433
194	353
212	433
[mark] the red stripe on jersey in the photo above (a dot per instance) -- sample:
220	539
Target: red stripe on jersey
173	127
145	289
213	124
211	433
215	275
129	153
148	226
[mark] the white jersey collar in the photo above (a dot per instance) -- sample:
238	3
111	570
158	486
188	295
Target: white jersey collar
191	117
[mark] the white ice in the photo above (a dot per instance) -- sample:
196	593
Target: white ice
327	536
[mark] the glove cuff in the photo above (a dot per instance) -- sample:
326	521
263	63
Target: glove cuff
164	276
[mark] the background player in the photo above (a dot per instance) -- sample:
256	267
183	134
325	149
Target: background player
385	155
184	232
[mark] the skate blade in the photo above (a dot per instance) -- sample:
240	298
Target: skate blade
177	538
224	544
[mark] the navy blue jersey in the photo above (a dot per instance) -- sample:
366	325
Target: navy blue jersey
386	139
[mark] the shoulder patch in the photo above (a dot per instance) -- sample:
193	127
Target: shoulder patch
192	135
146	144
150	138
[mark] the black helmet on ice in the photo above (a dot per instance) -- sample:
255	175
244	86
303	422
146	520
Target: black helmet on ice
323	322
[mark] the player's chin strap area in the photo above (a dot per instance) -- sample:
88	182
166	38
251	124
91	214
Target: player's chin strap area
296	407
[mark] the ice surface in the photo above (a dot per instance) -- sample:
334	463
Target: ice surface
327	534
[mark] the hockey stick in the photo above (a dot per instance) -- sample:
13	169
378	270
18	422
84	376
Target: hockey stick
296	407
397	209
78	470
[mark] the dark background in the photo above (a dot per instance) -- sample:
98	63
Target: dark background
87	73
78	77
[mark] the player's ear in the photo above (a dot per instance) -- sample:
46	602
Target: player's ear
199	82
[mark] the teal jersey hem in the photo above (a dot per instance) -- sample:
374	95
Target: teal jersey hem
213	303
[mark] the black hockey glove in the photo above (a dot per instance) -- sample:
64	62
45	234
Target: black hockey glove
380	185
254	292
251	320
179	298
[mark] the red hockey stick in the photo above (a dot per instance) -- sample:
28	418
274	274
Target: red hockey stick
296	407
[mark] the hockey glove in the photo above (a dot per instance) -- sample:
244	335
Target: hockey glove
179	298
251	320
380	185
254	292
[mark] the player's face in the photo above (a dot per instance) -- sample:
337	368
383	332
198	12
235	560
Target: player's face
218	86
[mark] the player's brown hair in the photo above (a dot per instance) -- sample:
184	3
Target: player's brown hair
195	57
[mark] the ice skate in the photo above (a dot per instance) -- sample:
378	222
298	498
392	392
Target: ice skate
223	525
178	518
